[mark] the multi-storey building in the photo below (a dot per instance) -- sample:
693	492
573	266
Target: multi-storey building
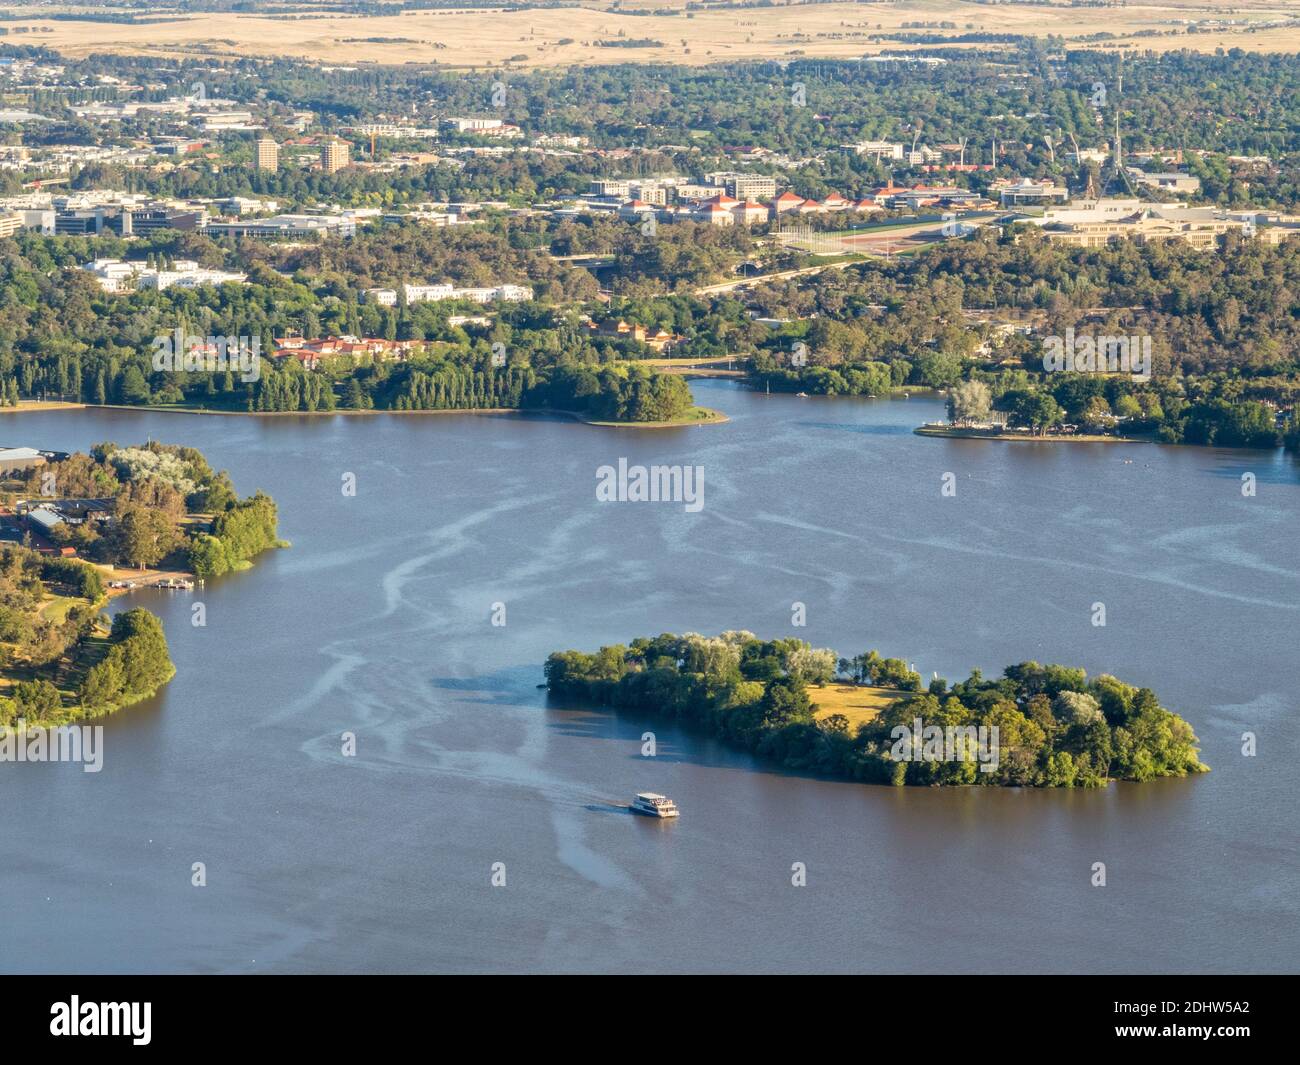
334	155
267	154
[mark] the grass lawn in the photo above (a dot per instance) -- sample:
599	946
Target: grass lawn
694	416
55	607
858	704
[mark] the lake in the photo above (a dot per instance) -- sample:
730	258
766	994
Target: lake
378	622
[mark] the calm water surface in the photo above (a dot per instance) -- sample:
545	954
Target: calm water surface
377	622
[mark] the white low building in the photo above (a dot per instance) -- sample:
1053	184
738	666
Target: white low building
387	297
499	294
114	275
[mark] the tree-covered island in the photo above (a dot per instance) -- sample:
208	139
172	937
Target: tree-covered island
871	719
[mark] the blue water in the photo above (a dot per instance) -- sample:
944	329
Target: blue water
378	622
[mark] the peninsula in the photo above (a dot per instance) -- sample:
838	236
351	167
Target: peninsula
71	525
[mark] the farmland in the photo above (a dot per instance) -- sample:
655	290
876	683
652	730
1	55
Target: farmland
597	33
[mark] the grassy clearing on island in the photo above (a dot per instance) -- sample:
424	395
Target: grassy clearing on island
694	416
858	703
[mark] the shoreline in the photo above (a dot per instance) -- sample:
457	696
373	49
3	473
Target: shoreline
1078	438
707	415
78	714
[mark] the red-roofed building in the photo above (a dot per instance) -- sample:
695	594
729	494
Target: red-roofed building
787	201
749	213
882	195
715	215
634	210
311	352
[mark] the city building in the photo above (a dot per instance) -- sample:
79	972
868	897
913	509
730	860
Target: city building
310	352
1029	191
126	220
619	329
715	213
611	189
267	154
387	297
495	294
242	205
923	155
1173	181
216	121
1102	221
286	225
116	276
392	129
334	155
484	127
876	149
787	201
636	210
750	213
743	186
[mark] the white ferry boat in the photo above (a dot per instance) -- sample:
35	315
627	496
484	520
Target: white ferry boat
652	805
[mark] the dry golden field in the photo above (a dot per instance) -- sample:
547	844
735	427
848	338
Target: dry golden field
566	36
858	704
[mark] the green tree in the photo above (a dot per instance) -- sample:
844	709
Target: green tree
143	536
